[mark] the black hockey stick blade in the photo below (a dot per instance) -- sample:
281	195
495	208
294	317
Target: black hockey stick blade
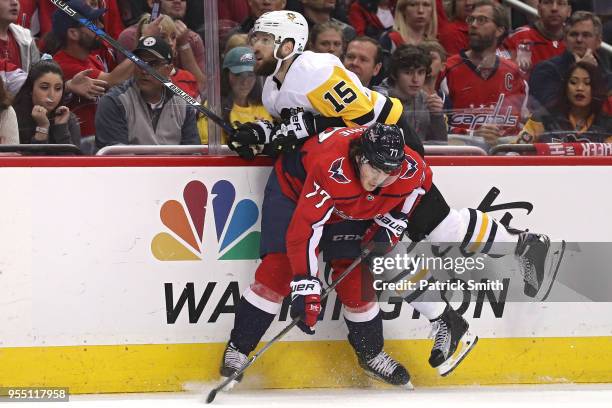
213	393
75	15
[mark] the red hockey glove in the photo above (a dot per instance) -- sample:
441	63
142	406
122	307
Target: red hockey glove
384	233
306	301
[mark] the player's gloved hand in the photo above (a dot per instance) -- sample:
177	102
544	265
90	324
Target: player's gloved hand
306	301
384	233
249	138
294	129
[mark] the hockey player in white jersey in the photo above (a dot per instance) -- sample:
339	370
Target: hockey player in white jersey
312	92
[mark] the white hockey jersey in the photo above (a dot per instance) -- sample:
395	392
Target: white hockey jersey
319	83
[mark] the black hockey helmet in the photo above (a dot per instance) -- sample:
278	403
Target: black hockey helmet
383	147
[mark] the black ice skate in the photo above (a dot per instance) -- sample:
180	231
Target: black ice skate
539	263
453	341
384	368
232	361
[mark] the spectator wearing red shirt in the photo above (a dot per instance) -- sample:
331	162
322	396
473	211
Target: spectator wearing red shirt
362	16
453	35
27	8
256	9
192	41
16	43
233	10
487	93
544	39
78	47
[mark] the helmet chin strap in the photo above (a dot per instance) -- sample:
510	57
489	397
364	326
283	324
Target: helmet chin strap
279	61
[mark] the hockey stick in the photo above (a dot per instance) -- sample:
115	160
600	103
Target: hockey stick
75	15
213	393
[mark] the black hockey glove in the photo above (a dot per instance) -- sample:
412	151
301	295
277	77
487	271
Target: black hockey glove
249	138
294	130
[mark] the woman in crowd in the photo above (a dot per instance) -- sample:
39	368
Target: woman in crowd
415	22
9	133
240	92
166	29
577	114
327	37
41	117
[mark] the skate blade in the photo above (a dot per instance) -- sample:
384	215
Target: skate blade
408	386
551	272
466	344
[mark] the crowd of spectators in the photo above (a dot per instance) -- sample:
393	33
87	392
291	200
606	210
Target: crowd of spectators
466	71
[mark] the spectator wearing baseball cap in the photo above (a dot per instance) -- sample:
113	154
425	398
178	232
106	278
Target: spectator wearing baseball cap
78	52
167	29
142	111
240	92
190	55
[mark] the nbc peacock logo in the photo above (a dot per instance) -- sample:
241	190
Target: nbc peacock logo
234	223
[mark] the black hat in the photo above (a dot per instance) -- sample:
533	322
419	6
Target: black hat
156	46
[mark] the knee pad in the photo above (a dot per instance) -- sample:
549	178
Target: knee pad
356	291
273	277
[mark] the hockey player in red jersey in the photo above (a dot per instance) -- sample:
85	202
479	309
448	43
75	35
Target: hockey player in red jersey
364	174
342	98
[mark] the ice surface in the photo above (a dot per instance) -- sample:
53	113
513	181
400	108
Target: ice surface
570	395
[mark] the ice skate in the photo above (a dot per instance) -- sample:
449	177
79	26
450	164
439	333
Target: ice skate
386	369
232	361
539	263
453	341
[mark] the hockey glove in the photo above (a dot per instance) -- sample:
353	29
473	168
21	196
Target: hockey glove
248	139
306	301
384	233
293	130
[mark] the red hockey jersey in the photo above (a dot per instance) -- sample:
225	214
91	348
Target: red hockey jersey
326	188
541	47
500	98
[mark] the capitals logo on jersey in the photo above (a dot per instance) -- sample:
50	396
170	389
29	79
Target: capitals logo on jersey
411	168
337	173
475	117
